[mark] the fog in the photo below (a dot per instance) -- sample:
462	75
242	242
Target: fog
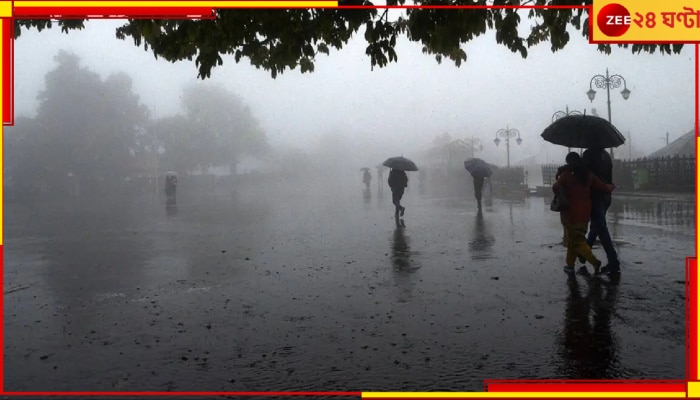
216	235
399	109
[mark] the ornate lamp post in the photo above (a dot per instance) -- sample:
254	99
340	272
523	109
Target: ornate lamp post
473	144
608	82
561	114
507	134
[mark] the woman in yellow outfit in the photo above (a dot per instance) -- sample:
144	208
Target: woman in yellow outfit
577	183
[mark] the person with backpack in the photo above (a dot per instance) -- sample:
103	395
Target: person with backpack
576	183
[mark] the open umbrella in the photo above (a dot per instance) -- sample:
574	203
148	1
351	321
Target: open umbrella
478	167
583	131
400	163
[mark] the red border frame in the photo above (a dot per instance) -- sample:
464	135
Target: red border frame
502	386
114	12
8	75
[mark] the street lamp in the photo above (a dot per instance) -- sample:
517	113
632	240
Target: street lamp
607	82
473	144
507	134
561	114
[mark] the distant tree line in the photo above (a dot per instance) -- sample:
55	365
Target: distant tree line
88	130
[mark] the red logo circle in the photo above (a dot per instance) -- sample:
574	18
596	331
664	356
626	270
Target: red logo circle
614	19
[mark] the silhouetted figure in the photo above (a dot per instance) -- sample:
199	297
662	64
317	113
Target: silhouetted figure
366	179
478	189
598	161
577	183
398	182
171	188
479	170
380	178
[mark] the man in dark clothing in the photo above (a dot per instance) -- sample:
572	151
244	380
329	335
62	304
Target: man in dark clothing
598	161
478	188
170	187
398	181
366	179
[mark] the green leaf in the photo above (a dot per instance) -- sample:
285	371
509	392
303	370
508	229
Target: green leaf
275	40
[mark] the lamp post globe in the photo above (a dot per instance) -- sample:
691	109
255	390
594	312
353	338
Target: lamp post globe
507	134
608	82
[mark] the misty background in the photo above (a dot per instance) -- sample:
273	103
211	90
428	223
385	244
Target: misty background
347	110
270	234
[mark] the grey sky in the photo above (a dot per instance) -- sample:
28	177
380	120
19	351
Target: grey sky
405	105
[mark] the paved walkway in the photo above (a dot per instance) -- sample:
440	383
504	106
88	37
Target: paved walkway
318	289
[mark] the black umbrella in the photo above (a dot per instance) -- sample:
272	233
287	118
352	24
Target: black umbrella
400	163
478	167
583	131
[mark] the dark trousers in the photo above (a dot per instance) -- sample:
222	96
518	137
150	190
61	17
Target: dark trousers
599	228
396	195
478	189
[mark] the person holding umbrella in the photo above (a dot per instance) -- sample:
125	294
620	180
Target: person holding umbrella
598	161
577	183
594	133
479	171
366	178
398	180
380	178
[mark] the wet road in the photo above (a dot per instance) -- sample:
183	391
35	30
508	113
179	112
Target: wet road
320	290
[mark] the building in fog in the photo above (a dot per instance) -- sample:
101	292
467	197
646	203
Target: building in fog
683	146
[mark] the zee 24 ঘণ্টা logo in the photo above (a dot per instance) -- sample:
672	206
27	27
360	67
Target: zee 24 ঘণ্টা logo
614	20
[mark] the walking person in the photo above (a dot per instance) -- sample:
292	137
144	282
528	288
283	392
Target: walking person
422	176
479	171
380	178
598	161
577	183
398	182
171	187
366	179
478	189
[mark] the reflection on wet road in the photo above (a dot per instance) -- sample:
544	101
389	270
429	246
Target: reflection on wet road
481	243
587	345
403	261
669	215
325	290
